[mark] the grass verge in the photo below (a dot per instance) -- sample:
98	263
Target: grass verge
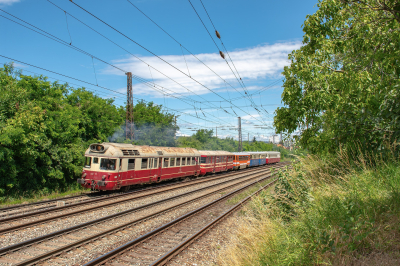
24	198
324	212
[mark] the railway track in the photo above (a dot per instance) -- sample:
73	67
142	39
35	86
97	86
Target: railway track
26	209
162	244
13	223
45	247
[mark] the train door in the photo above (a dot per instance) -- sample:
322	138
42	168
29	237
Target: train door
160	165
121	174
214	161
150	167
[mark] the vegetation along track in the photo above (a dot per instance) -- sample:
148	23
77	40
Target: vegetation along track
27	220
162	244
59	242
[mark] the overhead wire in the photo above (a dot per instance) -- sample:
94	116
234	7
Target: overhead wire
92	84
52	37
242	85
125	51
159	57
181	45
141	59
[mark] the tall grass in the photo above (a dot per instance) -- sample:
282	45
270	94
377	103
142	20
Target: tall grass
34	196
341	210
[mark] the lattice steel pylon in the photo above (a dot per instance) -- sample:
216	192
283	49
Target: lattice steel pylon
240	147
130	130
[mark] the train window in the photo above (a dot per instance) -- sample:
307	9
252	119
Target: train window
183	161
144	163
172	162
166	162
107	164
193	160
131	164
178	161
203	160
95	160
155	163
88	161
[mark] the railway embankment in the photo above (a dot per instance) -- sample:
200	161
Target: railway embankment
336	211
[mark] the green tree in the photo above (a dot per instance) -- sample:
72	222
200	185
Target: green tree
342	86
204	135
44	130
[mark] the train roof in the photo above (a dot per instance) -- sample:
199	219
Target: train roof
175	151
110	149
241	153
273	152
215	153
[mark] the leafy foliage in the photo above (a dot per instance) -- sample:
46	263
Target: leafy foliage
342	86
45	129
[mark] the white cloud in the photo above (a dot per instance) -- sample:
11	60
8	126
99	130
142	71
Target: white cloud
8	2
254	64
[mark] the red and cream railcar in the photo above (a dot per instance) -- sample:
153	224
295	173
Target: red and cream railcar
111	166
273	157
215	161
241	160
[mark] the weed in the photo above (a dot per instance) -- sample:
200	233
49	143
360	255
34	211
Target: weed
338	210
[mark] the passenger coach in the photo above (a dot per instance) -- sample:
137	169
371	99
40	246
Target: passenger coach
273	157
215	161
241	160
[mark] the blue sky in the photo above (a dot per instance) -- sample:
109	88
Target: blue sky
258	36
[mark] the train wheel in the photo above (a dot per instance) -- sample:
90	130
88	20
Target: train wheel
125	188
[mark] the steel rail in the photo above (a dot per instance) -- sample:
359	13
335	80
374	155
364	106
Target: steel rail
203	179
184	244
75	244
41	202
20	226
81	226
114	253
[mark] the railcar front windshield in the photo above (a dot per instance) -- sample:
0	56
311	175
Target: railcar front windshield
108	164
203	159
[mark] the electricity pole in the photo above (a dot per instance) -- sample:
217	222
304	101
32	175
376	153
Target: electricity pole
130	130
240	148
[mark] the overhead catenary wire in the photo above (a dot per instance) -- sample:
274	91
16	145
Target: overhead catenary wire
66	19
159	57
92	84
222	55
203	102
52	37
181	45
126	51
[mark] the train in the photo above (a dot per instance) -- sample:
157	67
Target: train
119	166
